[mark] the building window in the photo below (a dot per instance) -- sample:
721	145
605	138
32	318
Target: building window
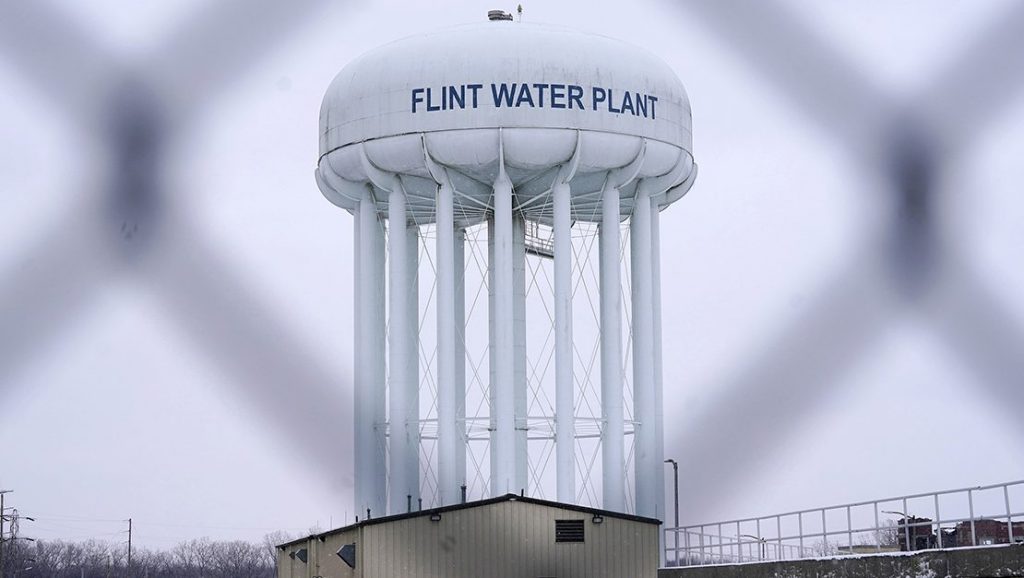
568	530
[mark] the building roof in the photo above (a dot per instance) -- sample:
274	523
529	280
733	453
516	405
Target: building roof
478	503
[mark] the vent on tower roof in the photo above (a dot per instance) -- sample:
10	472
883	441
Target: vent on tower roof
495	15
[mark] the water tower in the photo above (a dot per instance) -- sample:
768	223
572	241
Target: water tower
506	181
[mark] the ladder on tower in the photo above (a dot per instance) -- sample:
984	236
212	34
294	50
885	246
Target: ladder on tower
540	240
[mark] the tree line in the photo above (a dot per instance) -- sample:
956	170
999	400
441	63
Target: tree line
200	558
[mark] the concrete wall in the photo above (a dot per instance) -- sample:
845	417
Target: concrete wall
513	539
984	562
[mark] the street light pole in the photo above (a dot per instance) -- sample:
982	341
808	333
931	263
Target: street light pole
129	546
906	527
759	539
675	533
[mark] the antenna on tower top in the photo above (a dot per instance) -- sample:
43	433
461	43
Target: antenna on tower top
519	11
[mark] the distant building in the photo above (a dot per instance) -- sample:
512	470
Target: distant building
922	536
508	536
919	531
987	532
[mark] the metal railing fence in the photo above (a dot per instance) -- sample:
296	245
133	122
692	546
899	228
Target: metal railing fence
975	516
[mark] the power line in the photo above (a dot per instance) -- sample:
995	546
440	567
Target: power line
76	519
84	535
2	494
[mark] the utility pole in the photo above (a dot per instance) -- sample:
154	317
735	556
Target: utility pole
129	547
2	493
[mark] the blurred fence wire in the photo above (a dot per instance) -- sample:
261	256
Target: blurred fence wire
911	143
134	229
139	109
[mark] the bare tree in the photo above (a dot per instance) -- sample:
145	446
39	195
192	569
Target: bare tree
270	542
888	535
202	558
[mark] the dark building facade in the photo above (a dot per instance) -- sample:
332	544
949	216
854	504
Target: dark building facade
988	532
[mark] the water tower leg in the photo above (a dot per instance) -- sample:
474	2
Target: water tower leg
612	436
503	448
447	407
659	419
519	351
403	387
647	464
492	360
565	414
369	410
459	262
412	236
359	387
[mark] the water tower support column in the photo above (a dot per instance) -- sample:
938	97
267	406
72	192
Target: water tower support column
612	434
648	465
565	415
404	375
503	448
659	417
519	351
447	405
369	408
461	443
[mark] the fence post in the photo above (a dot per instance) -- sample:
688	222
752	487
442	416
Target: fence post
970	504
778	532
721	545
1009	512
878	528
906	527
739	543
800	530
701	537
686	539
824	534
760	535
849	528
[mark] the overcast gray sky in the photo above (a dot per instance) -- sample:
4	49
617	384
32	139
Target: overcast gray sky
112	407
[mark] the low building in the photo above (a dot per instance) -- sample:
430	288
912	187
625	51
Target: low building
986	532
920	531
508	536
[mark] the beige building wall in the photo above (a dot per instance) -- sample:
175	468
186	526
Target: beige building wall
322	557
514	539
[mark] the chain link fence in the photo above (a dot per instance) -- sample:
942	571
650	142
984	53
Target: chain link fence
137	110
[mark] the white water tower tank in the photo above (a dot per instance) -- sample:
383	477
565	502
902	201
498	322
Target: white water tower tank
519	143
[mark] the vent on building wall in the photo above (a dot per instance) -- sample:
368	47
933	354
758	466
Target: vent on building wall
348	554
568	530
